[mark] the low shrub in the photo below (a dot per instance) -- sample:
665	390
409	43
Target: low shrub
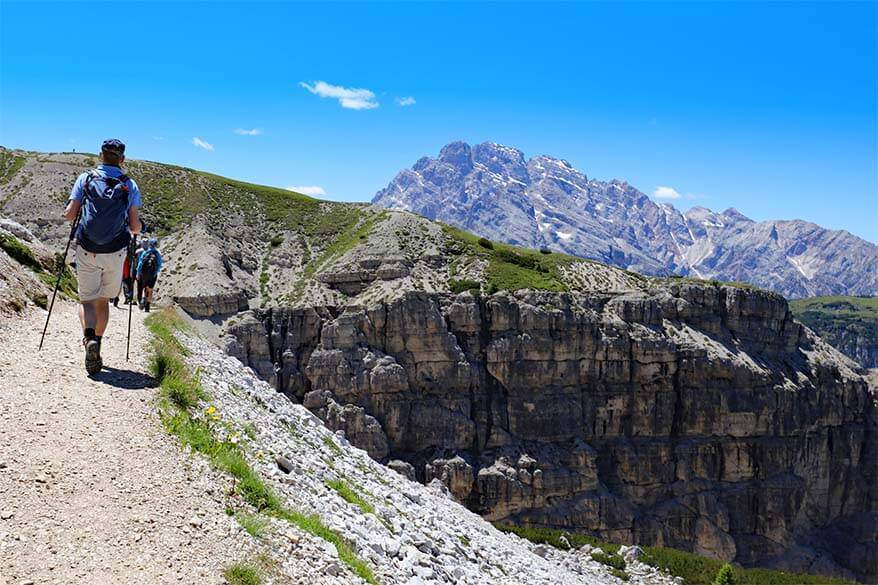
611	560
486	243
725	576
459	286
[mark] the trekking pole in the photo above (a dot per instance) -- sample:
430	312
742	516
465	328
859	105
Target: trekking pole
60	274
130	261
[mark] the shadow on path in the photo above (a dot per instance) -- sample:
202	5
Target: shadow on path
124	379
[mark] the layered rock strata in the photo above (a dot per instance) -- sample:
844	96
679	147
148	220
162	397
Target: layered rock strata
698	417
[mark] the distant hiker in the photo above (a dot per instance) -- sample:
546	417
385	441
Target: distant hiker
144	246
148	268
109	201
127	283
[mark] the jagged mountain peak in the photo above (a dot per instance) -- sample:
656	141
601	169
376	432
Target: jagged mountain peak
493	190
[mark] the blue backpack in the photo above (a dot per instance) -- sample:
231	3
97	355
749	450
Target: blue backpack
103	226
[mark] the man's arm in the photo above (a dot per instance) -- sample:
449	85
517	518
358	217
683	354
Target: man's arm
134	203
74	204
134	223
72	209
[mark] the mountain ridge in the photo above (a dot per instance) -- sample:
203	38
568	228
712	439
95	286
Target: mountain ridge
531	384
494	191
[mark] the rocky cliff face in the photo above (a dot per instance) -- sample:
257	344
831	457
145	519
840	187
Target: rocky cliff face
494	191
697	417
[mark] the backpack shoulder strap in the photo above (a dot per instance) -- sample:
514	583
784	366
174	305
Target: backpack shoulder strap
89	177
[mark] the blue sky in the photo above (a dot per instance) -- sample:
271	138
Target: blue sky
769	108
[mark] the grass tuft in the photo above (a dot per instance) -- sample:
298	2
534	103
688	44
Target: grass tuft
350	495
255	524
314	525
330	442
242	574
611	560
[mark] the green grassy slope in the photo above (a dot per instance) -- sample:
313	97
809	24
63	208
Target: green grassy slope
174	195
848	323
693	569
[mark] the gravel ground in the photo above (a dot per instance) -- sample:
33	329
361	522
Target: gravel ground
92	490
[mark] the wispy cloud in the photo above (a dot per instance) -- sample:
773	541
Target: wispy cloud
666	193
158	137
244	132
406	101
671	193
313	190
202	143
349	98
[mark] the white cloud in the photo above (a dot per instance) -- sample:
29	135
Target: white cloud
349	98
243	132
312	190
406	101
666	193
202	144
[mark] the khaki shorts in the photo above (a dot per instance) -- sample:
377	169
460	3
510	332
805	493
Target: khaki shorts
99	275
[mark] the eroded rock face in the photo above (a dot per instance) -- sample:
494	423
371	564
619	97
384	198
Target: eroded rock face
697	417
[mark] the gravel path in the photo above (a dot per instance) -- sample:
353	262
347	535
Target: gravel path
92	490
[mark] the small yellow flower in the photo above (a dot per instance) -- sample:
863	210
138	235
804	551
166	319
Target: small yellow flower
210	410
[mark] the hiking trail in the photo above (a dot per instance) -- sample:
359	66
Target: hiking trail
92	489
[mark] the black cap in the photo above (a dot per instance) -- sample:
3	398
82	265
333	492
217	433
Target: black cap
113	145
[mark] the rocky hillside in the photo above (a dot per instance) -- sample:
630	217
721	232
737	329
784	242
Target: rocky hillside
540	388
691	416
848	323
405	533
27	270
493	191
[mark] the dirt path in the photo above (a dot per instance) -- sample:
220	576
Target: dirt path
92	490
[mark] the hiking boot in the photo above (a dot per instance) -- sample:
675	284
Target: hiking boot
116	302
93	362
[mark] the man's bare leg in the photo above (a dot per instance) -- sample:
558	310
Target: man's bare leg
102	312
95	315
88	315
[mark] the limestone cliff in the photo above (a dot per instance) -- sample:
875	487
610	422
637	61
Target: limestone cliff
693	416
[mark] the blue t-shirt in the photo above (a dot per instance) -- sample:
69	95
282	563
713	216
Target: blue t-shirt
112	172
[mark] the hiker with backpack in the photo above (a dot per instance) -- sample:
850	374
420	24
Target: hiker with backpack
105	202
144	246
127	283
148	268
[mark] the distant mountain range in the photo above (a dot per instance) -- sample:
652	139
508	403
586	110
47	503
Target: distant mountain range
492	190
